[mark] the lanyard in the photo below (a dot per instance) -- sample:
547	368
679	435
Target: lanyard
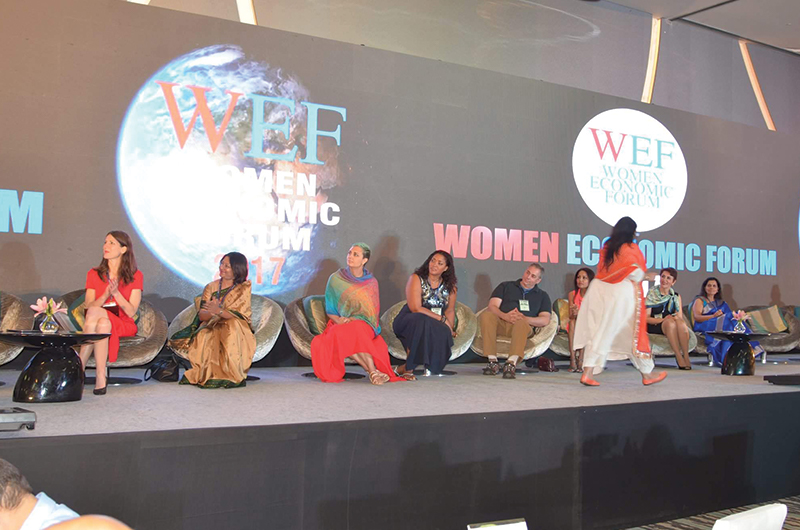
222	300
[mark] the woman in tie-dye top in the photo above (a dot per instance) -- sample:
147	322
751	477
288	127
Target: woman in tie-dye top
353	330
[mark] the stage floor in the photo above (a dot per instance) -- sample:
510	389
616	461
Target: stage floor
283	396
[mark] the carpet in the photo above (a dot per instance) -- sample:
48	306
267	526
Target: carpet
706	521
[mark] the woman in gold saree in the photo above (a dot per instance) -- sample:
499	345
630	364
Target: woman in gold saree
219	340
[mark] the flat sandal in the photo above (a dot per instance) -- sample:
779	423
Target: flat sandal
376	377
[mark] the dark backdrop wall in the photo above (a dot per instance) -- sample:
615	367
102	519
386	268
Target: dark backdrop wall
88	131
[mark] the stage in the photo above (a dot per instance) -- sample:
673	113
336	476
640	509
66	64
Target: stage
283	396
442	452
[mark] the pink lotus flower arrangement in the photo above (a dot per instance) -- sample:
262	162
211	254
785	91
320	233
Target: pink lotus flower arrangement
740	316
48	307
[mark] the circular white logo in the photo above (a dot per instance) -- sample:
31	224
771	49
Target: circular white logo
626	163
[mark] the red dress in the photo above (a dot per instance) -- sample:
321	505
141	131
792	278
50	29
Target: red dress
577	300
339	341
121	324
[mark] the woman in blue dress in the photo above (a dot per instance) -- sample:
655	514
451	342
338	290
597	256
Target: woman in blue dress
426	323
711	313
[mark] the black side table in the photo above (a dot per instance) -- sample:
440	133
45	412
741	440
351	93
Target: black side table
55	373
741	358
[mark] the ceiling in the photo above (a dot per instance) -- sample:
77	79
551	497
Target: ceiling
772	22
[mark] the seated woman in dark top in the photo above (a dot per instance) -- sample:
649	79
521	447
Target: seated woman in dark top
664	316
426	323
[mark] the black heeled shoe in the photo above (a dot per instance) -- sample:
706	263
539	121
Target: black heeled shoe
101	391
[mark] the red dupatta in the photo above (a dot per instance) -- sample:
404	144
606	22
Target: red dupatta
627	260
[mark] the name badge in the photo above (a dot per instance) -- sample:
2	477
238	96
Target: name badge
437	310
524	305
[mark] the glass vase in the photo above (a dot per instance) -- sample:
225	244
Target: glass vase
739	327
48	325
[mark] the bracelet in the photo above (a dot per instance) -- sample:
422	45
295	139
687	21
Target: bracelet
444	318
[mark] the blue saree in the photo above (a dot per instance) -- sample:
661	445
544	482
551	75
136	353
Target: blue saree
716	347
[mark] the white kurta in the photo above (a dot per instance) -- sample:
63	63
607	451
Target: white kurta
605	324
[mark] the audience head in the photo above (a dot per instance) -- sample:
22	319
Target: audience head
118	245
439	263
668	276
623	232
583	276
14	486
711	288
532	276
14	490
358	256
236	263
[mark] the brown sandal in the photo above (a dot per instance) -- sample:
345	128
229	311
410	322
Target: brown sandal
408	376
377	377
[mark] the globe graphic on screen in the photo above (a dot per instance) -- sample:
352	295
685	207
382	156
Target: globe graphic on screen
192	203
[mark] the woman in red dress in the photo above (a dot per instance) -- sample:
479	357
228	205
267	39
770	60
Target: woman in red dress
353	307
113	294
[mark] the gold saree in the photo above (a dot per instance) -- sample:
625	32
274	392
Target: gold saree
220	350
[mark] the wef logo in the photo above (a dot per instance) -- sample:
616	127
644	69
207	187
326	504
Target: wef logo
625	162
220	151
16	214
259	126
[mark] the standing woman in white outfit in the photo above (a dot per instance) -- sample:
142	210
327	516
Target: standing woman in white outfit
611	323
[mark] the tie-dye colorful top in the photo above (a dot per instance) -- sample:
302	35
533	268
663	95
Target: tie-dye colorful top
660	304
350	297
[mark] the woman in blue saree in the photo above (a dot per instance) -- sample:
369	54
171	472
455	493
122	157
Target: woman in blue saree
711	313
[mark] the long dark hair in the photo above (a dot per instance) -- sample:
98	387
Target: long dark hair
127	265
717	296
238	266
589	272
448	277
623	233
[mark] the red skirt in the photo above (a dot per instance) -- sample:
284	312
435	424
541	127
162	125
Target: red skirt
339	341
121	326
